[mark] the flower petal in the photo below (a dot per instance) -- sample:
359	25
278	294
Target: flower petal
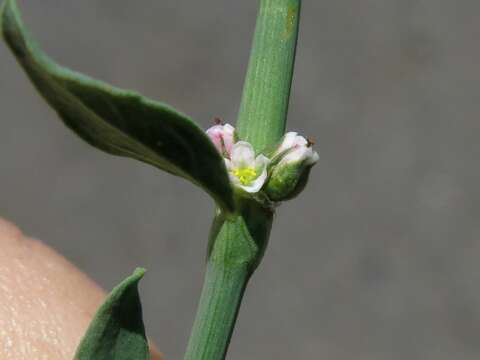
235	180
287	142
228	137
302	153
313	159
228	164
243	154
256	185
297	154
222	137
215	134
291	140
261	162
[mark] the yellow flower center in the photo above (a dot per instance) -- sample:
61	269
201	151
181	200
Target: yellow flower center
246	175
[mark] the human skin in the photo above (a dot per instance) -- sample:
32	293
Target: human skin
46	303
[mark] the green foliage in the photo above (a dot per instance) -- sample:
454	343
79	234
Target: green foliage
124	123
120	122
237	245
117	331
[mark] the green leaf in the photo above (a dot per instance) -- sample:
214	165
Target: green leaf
120	122
117	331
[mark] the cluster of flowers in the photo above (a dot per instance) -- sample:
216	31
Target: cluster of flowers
281	175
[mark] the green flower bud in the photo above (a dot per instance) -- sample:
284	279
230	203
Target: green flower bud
292	163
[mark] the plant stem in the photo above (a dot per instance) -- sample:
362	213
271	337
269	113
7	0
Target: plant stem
219	304
228	270
237	245
264	106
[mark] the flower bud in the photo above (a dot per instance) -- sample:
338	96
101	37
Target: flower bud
292	161
223	137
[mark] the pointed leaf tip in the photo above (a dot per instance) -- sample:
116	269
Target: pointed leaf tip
120	122
139	272
117	331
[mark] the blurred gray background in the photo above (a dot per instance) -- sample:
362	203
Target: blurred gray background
378	259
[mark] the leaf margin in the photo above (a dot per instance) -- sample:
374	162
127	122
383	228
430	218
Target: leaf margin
92	344
216	183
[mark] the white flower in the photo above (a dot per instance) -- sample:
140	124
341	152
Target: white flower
295	148
292	162
246	171
222	137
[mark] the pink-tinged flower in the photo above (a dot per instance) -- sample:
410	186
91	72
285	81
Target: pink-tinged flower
295	148
223	137
244	169
292	161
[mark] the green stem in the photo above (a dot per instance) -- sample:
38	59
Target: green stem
237	245
230	264
264	106
217	312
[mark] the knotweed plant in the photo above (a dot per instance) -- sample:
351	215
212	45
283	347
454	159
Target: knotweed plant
248	170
